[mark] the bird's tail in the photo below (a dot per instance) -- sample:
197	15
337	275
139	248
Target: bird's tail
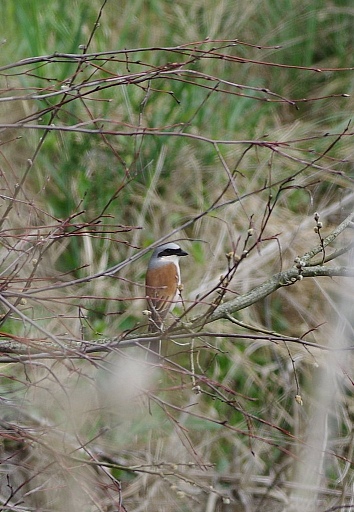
153	355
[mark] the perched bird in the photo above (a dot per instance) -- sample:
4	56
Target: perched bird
163	280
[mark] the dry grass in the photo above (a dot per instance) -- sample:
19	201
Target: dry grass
211	152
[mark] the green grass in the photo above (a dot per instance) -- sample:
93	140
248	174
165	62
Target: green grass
129	190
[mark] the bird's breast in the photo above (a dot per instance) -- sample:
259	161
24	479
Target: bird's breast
162	281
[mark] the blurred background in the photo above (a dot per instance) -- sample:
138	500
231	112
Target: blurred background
223	125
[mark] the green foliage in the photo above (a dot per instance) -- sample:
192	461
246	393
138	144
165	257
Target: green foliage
151	139
47	28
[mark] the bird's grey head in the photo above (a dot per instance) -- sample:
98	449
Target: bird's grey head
169	252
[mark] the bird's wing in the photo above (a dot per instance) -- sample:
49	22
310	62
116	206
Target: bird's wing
161	290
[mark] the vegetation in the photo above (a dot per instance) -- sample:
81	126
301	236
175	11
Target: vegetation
225	126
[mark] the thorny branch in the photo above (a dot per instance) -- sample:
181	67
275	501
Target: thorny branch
301	270
90	74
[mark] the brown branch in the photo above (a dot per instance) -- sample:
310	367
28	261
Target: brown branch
286	278
74	348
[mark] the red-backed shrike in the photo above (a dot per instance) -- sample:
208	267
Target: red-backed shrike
163	280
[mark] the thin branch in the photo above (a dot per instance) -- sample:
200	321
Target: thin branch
286	278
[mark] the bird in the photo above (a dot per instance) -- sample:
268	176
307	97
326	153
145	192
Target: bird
162	286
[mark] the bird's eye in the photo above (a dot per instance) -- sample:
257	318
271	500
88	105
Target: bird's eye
167	252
